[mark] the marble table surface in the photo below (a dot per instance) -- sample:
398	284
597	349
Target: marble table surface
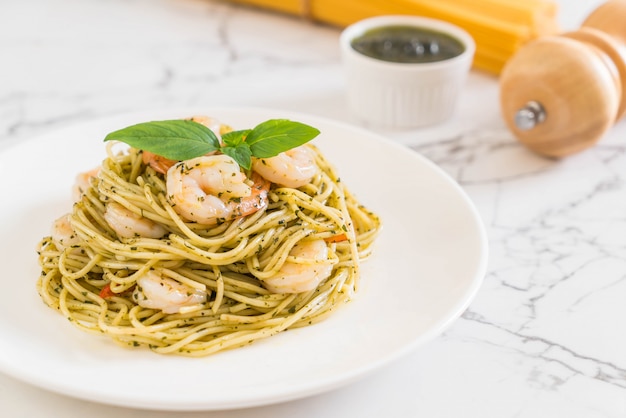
545	335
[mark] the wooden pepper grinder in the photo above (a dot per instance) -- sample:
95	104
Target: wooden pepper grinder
560	94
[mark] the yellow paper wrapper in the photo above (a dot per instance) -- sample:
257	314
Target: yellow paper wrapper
499	27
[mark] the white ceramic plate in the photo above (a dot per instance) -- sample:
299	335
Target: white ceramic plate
429	263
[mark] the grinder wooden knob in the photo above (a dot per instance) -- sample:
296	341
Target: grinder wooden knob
560	94
609	18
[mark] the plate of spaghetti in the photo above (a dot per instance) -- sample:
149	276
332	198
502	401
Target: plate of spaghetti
225	258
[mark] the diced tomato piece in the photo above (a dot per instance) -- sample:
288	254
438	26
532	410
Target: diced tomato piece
336	238
106	292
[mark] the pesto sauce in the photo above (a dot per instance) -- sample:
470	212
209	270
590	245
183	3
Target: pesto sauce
407	44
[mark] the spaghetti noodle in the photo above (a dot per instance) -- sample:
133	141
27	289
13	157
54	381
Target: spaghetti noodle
98	278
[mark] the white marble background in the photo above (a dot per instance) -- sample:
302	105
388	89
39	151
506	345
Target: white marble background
546	334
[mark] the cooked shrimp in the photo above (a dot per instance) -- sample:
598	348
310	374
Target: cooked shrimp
83	182
128	224
161	164
158	163
293	168
212	189
63	235
165	294
215	125
309	267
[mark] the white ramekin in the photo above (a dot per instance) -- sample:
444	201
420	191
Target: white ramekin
401	95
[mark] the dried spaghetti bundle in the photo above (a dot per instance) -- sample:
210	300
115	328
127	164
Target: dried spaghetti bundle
499	27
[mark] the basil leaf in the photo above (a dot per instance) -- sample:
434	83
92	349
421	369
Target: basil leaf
235	138
274	136
173	139
240	153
